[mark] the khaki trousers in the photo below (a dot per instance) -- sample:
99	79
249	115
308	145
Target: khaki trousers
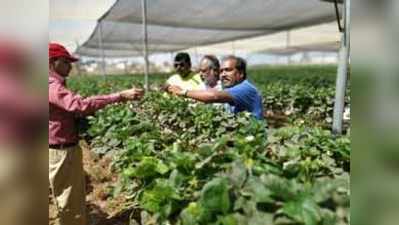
67	184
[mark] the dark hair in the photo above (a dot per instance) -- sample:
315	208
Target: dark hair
183	57
241	64
213	62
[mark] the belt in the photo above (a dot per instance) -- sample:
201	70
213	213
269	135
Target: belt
62	146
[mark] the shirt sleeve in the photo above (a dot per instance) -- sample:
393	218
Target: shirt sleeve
71	102
172	80
242	96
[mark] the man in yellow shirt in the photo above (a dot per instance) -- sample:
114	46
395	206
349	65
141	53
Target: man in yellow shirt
184	77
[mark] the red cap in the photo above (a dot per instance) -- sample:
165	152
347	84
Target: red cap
57	50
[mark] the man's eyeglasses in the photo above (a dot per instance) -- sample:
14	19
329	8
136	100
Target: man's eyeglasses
226	69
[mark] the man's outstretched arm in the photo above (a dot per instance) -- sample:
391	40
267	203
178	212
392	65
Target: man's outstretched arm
206	96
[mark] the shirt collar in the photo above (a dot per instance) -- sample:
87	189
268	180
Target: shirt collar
56	76
188	77
218	85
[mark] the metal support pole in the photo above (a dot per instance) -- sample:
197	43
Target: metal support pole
172	61
342	73
171	57
287	45
102	48
145	43
125	67
288	39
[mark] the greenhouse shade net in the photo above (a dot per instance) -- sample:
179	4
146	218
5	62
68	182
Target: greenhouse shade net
180	24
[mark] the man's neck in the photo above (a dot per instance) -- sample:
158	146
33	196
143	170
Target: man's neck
186	75
57	75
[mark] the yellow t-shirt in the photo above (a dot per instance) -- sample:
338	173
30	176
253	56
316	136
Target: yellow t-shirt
191	82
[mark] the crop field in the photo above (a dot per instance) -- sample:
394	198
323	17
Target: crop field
179	162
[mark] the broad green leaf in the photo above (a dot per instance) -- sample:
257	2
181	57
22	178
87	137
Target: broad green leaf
237	173
215	196
162	168
160	198
303	210
227	220
261	218
257	190
191	214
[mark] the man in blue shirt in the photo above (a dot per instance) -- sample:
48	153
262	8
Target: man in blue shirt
238	92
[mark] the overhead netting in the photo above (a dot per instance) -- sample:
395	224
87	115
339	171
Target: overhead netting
180	24
316	47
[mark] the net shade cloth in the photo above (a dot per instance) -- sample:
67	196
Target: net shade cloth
175	25
315	35
317	47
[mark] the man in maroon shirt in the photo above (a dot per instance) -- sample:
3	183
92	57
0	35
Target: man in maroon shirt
65	156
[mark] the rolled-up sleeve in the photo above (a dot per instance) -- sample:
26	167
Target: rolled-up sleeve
71	102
